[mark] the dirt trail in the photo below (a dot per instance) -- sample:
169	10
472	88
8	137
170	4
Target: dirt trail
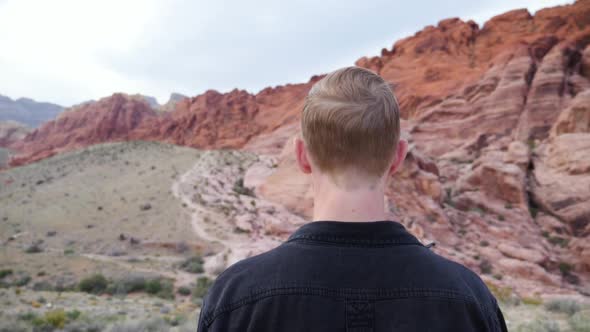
225	212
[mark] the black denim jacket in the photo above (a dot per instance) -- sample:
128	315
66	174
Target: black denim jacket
349	276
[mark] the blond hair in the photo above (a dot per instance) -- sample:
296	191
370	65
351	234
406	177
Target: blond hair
351	120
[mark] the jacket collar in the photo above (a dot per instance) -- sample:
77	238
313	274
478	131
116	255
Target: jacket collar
360	233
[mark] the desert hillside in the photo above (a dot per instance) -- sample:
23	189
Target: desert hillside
498	176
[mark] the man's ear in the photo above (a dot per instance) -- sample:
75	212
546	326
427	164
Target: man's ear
301	156
400	155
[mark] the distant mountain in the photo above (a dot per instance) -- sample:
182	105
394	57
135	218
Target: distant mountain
172	101
152	101
174	97
113	118
27	111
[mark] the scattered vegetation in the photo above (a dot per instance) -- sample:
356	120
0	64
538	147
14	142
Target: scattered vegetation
73	315
11	279
503	294
567	306
5	272
126	285
485	266
56	318
539	325
565	268
202	286
160	287
68	321
192	264
183	290
175	320
535	300
95	284
533	211
580	322
155	324
531	144
34	248
98	284
558	240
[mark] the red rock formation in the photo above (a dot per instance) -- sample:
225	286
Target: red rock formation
11	132
482	105
110	119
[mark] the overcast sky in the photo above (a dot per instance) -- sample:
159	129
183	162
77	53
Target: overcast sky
69	51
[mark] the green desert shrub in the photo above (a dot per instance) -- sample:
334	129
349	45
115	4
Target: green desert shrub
534	300
580	321
95	284
183	290
175	320
22	280
156	324
5	272
192	264
34	249
84	326
43	286
56	318
503	294
27	316
73	315
539	325
568	306
13	325
485	266
202	286
160	287
565	268
131	284
558	241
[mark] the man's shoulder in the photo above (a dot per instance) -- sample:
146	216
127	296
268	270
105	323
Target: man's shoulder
463	279
243	278
236	284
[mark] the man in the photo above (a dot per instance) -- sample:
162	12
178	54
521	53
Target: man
350	269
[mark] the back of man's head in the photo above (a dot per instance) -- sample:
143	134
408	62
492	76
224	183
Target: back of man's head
351	121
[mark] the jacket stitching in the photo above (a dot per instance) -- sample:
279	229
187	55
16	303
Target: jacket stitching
361	294
351	242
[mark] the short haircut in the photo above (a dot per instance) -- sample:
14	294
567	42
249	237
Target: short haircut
351	120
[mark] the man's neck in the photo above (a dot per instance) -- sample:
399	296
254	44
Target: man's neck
361	204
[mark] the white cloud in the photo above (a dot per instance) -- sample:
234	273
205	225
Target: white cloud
51	49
